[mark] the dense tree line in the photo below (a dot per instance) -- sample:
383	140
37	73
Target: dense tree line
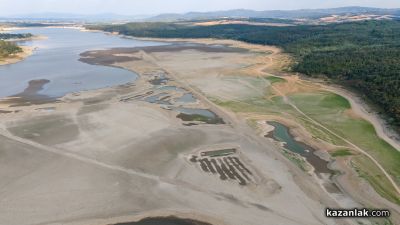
364	55
5	36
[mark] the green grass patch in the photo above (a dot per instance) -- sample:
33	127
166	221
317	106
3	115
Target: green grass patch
256	105
318	133
341	152
274	79
321	101
277	106
369	171
329	110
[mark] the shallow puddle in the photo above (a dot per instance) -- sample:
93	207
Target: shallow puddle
158	99
171	88
201	115
186	98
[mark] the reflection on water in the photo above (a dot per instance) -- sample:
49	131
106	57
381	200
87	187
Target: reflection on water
56	60
201	115
281	133
158	99
202	112
186	98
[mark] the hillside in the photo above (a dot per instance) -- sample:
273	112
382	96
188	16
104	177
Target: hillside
363	55
278	14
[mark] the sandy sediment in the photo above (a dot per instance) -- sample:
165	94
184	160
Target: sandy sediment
166	62
26	52
358	105
106	153
107	156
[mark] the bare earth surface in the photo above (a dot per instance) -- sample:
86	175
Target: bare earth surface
26	52
121	154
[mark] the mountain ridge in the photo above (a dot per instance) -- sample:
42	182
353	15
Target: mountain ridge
194	15
279	14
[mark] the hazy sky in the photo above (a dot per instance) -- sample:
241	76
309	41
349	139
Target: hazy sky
138	7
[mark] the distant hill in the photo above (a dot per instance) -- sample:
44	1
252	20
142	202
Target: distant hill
74	17
233	14
281	14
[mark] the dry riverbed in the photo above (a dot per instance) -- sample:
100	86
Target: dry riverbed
124	153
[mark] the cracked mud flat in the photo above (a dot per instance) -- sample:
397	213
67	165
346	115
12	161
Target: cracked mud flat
108	156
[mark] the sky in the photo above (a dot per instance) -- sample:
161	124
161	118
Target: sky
152	7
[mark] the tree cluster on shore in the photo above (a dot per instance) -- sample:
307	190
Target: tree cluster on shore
8	48
5	36
364	55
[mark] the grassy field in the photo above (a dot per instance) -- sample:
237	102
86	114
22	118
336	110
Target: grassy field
274	79
262	106
341	152
331	110
370	172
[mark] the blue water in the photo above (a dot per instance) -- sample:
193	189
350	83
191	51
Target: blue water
56	59
186	98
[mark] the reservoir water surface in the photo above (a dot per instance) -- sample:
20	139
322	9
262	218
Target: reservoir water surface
56	60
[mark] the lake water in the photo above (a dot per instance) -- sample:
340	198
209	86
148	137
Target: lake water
281	133
56	60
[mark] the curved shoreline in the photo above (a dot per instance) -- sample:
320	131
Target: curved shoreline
361	108
181	211
154	214
26	52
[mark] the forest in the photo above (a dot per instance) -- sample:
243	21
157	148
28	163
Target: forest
5	36
362	55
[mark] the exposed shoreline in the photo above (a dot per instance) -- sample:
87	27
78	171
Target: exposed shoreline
33	38
26	52
360	107
71	101
221	42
